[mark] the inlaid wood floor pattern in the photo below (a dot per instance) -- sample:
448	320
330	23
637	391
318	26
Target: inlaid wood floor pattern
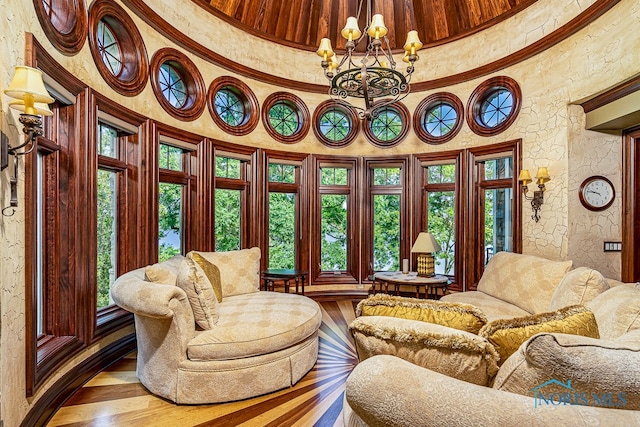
115	397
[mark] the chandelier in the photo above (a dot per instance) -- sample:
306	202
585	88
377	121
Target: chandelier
376	76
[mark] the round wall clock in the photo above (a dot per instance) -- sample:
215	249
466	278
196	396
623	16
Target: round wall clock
597	193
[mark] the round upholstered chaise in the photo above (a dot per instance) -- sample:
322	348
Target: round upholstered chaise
261	342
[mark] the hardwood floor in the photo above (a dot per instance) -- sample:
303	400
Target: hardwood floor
115	397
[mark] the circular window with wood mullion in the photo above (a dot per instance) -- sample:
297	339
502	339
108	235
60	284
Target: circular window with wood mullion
438	118
285	117
233	106
64	22
117	48
494	106
177	84
389	125
335	125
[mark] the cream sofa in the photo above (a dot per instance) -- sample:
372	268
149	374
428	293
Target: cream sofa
257	342
552	378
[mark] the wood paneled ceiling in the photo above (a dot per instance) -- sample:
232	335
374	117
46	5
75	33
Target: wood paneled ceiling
302	23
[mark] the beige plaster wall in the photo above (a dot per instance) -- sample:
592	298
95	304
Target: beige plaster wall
596	58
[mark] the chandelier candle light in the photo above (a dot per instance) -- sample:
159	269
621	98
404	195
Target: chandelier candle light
376	76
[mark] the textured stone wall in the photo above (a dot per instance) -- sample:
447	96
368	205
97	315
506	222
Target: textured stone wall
552	130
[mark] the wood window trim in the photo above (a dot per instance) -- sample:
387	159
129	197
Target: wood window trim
196	90
133	77
630	205
421	217
245	94
402	162
298	105
349	112
351	276
68	38
472	254
405	117
426	104
481	93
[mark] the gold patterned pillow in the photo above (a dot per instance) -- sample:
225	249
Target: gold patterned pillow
157	273
507	335
464	317
210	270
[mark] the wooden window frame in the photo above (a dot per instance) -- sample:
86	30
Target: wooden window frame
349	112
242	184
402	162
351	275
245	94
480	94
298	105
405	117
425	106
70	38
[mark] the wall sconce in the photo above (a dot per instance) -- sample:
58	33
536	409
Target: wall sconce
31	99
424	246
538	196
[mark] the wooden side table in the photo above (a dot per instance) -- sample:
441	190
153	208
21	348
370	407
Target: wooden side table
270	276
397	278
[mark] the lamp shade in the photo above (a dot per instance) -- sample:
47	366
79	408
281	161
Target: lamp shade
407	58
332	65
325	49
413	43
525	177
351	30
41	109
28	81
543	175
377	28
425	243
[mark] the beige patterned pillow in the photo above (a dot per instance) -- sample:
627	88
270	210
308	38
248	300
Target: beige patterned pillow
617	311
210	270
239	270
157	273
525	281
578	286
200	294
451	352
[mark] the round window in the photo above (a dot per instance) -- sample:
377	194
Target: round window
285	117
172	85
109	48
335	125
388	126
494	106
438	118
229	107
232	105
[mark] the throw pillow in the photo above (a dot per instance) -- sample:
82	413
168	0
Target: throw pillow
617	310
200	294
454	353
210	270
601	372
157	273
239	270
507	335
525	281
464	317
578	286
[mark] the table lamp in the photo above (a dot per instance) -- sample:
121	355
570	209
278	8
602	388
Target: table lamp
424	246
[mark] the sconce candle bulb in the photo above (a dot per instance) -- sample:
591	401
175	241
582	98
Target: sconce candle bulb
542	177
31	99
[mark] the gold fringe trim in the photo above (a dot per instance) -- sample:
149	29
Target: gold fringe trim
395	301
534	319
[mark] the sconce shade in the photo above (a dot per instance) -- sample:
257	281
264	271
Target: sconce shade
413	43
407	58
543	175
377	28
41	109
425	243
351	31
28	81
525	177
325	50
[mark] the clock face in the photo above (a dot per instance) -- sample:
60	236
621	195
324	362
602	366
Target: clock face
597	193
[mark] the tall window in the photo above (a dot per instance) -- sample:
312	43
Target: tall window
283	215
335	254
440	199
385	188
230	203
110	169
171	199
